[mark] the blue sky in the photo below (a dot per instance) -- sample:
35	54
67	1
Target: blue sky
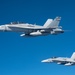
22	56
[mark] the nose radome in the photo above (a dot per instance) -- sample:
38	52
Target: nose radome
2	28
44	61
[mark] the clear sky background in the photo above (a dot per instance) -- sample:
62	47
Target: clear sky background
22	56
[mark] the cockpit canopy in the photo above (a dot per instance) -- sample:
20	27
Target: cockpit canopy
53	57
17	22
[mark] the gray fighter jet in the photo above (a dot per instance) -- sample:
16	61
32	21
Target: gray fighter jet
29	30
61	60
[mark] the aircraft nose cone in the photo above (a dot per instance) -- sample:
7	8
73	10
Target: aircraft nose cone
44	61
47	61
2	28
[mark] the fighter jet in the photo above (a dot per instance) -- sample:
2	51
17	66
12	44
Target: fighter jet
30	30
62	60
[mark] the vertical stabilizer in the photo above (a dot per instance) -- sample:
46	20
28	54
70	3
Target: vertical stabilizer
48	22
54	23
73	55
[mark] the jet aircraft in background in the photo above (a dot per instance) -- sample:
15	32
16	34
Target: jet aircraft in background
61	60
30	30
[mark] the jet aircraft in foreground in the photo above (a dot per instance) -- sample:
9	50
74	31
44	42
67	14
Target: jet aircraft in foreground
29	30
61	60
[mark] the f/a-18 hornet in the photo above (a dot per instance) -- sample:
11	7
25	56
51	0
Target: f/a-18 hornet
29	30
62	60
